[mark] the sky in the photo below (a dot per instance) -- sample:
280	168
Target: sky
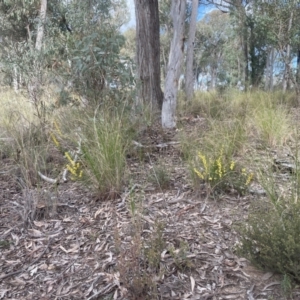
131	23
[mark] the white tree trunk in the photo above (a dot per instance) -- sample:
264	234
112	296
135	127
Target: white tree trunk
15	79
34	85
287	71
41	25
168	114
189	74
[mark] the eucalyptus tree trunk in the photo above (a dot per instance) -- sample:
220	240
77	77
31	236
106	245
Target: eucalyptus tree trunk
189	74
168	115
41	25
15	79
148	53
34	85
287	70
298	68
269	82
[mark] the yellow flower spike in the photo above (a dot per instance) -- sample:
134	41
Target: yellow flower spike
219	166
232	164
55	141
222	150
249	179
70	169
200	175
57	128
72	162
204	161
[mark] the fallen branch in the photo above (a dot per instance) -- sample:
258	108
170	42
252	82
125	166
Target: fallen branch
162	145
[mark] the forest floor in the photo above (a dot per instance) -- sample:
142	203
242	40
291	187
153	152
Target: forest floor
151	242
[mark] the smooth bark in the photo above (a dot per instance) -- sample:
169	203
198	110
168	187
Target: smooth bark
41	25
189	75
174	66
287	71
34	85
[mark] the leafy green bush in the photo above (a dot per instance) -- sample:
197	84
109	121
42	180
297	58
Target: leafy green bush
271	236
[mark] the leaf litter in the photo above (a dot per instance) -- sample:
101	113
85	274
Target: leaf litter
90	250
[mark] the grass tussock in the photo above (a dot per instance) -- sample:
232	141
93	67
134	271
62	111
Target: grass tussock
104	153
103	136
272	125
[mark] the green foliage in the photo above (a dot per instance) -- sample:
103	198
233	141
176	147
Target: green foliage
271	236
97	68
218	49
217	106
286	285
155	246
87	62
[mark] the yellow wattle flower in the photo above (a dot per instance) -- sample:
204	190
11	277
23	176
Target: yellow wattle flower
200	175
55	141
57	128
249	179
72	162
219	165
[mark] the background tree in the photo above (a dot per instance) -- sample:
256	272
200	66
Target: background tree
218	56
189	73
86	61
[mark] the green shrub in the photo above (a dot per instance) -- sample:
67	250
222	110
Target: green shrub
271	236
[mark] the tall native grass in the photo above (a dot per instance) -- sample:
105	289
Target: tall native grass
104	134
103	150
22	140
272	125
